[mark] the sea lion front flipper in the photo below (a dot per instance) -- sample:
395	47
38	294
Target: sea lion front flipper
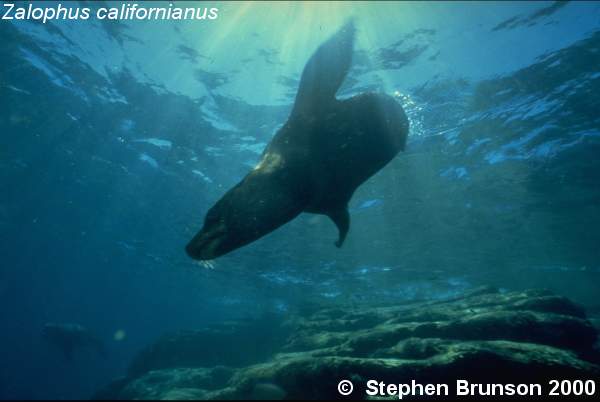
341	218
325	71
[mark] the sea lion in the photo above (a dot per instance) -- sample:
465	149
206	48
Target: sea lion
315	162
69	337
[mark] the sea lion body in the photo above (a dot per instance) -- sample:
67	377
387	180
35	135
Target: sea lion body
315	162
71	337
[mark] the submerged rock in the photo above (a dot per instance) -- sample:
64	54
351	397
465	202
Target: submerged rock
485	336
234	344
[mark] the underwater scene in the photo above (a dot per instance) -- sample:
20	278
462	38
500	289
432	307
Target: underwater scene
299	200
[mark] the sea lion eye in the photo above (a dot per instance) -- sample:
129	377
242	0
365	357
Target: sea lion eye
211	216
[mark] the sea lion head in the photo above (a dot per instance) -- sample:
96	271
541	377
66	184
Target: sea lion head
213	240
52	330
260	203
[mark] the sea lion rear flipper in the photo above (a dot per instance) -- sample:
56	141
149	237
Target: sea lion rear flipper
325	71
341	218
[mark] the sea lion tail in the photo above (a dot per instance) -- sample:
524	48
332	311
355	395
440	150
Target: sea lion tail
325	71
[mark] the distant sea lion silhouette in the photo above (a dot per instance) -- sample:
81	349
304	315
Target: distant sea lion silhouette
69	337
315	162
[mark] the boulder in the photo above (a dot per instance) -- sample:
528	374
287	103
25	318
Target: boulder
485	336
234	344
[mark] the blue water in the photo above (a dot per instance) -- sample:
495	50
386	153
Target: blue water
116	138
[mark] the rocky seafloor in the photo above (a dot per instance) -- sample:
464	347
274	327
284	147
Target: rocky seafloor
485	336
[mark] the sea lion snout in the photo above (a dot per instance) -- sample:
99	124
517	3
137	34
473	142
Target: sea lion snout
207	244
